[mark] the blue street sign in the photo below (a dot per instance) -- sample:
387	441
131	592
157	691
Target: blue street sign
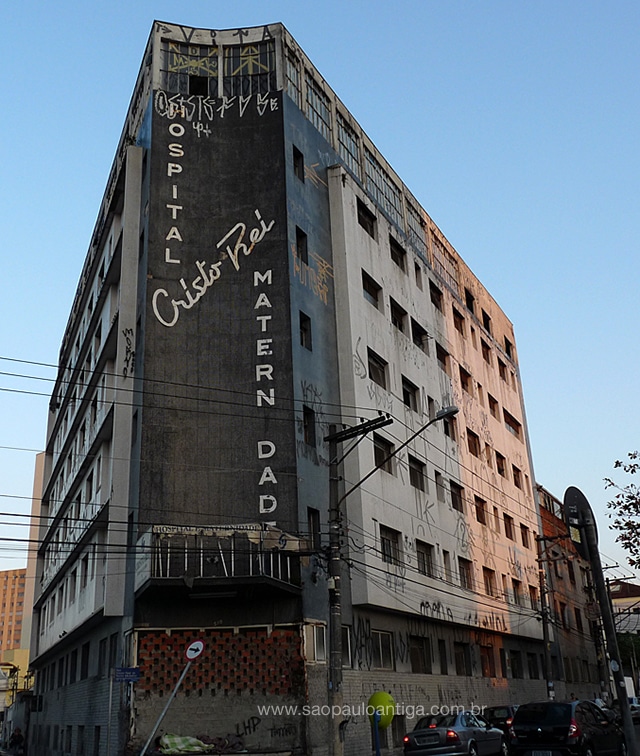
126	674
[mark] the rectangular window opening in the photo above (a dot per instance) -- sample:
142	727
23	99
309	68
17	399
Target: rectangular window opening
366	219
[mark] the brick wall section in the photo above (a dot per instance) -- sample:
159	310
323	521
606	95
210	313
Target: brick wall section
238	672
250	660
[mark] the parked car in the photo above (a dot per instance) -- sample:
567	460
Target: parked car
572	728
501	716
465	733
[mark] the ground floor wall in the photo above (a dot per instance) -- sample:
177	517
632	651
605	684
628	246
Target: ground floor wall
243	687
75	709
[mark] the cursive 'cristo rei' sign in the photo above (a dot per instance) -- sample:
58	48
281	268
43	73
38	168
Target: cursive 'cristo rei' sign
167	308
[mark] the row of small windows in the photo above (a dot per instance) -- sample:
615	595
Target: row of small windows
426	656
68	591
372	292
494	460
367	220
426	563
62	737
79	664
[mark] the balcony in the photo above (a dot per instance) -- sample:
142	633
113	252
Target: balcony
217	558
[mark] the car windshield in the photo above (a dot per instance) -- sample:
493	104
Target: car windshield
496	712
543	713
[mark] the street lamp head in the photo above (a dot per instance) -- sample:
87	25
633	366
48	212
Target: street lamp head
446	412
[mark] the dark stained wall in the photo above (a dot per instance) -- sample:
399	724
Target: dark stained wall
217	431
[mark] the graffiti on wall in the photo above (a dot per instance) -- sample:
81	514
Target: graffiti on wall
315	278
130	352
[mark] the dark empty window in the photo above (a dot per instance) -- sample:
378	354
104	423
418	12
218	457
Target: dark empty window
424	556
449	428
301	245
435	295
462	657
486	351
419	336
199	85
418	271
366	219
84	661
409	394
502	369
420	655
390	545
442	653
508	527
487	661
377	369
465	381
481	510
512	424
465	570
517	476
493	405
443	358
473	442
398	255
457	493
508	348
469	300
486	321
382	451
305	331
489	578
371	290
458	321
398	315
309	426
298	163
501	465
313	521
516	665
416	473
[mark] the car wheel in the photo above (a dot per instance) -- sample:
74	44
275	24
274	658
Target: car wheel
504	749
588	751
473	751
622	751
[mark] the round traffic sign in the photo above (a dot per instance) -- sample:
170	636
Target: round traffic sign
194	650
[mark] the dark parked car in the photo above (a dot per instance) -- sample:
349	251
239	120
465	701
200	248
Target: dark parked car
463	734
572	728
500	716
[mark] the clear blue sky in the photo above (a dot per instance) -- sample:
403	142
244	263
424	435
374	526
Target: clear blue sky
515	124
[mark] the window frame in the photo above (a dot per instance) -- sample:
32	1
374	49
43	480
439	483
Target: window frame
377	368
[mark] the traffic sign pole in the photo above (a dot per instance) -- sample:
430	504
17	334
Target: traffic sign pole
192	653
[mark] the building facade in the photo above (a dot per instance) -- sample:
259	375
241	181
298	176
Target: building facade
578	659
14	646
257	275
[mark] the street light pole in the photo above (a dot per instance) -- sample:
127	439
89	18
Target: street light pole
336	532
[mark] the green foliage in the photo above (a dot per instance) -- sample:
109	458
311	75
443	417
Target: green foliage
629	647
625	509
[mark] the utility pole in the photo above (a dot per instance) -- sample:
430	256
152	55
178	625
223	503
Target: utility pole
544	610
336	532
